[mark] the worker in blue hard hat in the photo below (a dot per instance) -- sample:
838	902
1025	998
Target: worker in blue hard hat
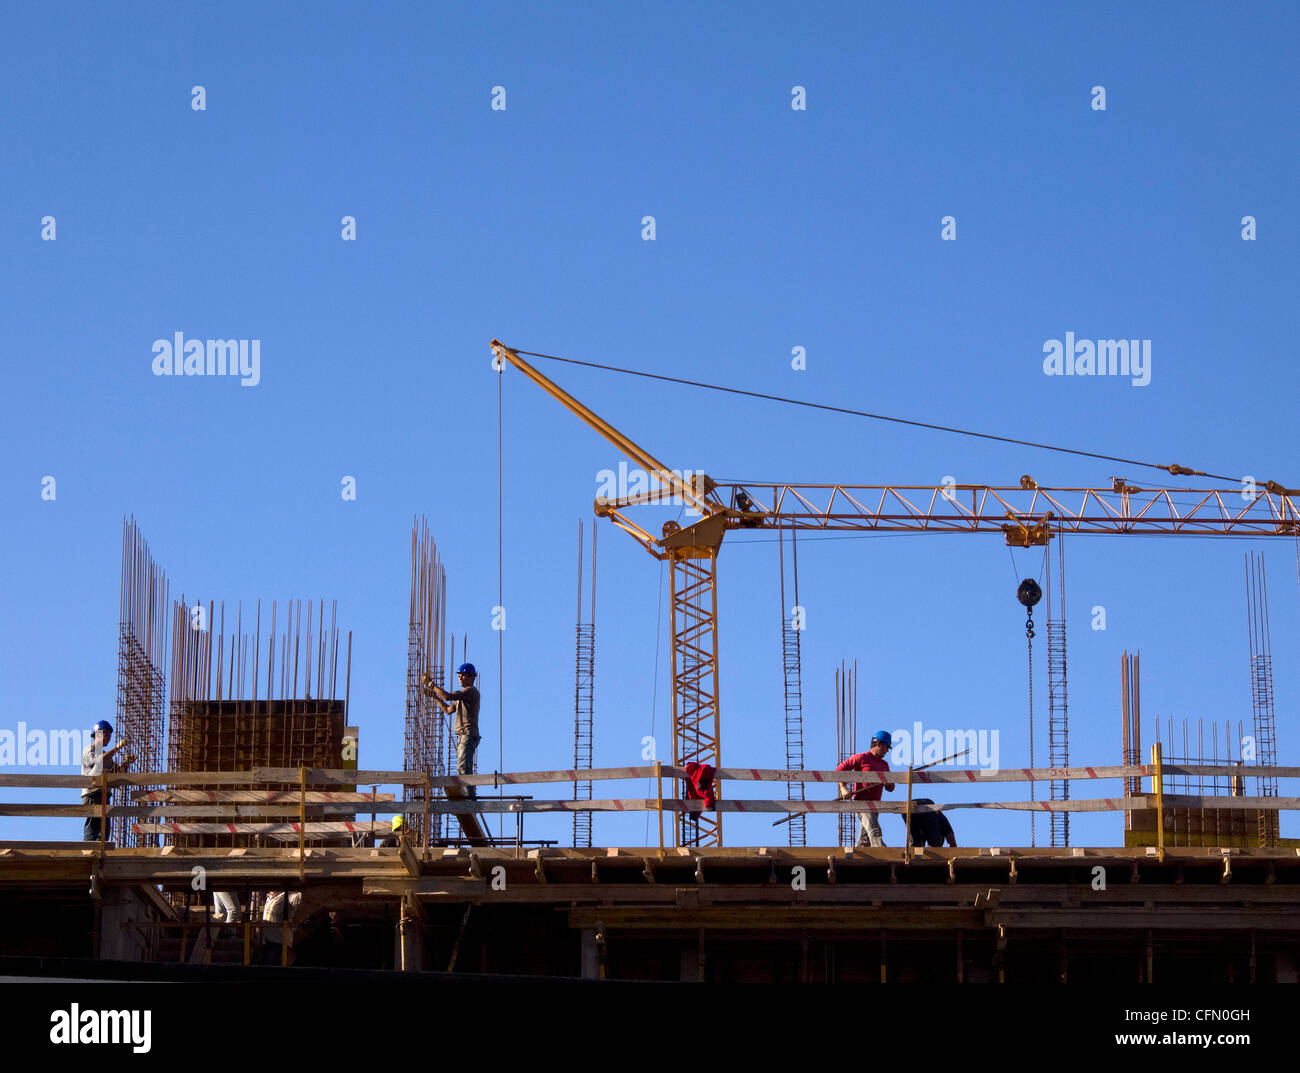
94	759
464	703
872	760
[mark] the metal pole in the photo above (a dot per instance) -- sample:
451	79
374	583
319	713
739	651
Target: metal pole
1160	801
659	776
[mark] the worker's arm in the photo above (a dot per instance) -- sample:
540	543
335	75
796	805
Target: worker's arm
432	689
843	787
448	699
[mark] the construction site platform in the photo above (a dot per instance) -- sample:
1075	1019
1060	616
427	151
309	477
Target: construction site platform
768	913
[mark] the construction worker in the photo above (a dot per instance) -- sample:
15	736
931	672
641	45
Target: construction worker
872	760
226	907
464	703
931	828
94	758
393	840
273	913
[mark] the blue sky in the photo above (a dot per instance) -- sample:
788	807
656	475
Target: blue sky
775	228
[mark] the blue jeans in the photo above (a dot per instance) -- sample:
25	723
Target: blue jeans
465	746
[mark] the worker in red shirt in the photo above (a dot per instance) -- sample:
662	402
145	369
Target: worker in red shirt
872	760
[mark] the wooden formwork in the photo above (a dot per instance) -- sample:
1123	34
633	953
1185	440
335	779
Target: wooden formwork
240	735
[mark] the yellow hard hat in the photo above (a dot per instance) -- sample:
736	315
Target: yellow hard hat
397	822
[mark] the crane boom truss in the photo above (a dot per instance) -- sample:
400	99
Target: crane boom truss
1026	514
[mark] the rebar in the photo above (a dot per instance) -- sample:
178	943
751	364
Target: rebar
426	748
214	726
141	670
584	687
792	668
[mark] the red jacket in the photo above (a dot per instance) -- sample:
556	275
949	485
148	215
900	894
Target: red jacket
864	762
699	784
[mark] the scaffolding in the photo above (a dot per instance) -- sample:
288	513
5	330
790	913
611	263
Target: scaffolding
846	737
791	663
1058	719
141	671
1261	690
427	745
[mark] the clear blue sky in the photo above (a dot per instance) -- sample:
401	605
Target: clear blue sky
776	228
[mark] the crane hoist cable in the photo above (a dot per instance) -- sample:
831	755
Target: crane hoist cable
1172	468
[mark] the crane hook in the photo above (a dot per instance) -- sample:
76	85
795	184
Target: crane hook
1029	594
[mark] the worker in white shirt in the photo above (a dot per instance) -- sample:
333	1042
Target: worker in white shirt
95	759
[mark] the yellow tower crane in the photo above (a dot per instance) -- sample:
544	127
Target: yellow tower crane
1027	516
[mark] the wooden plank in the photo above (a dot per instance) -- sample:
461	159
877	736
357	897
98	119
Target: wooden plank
25	808
850	919
469	822
344	777
1169	918
518	889
228	812
40	782
255	797
284	831
840	918
409	859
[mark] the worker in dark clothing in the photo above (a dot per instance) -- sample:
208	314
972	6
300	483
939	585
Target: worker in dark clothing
931	828
394	840
464	705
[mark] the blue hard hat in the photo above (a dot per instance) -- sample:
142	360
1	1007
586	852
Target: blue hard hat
883	737
103	724
467	668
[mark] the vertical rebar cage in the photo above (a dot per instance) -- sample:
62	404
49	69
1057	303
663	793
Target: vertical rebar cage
141	673
1261	692
792	670
584	689
1058	716
426	747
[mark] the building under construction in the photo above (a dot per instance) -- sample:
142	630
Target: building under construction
261	792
